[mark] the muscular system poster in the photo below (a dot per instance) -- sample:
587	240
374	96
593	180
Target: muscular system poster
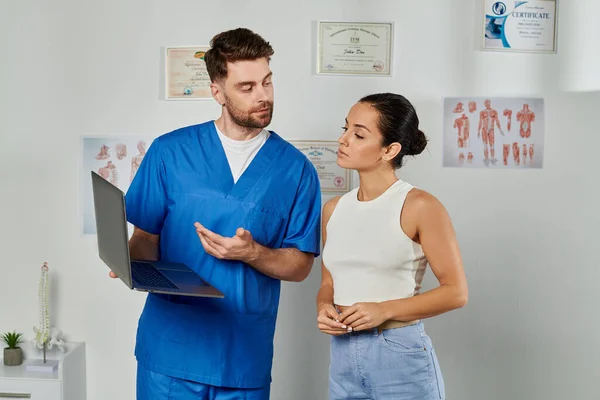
493	132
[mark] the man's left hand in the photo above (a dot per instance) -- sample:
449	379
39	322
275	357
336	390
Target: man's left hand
239	247
361	316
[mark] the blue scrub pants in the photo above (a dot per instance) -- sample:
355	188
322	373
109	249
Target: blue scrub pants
153	386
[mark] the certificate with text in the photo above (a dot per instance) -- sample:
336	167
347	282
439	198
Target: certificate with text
522	26
323	155
355	48
186	77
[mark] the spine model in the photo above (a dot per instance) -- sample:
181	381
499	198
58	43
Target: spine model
42	332
46	336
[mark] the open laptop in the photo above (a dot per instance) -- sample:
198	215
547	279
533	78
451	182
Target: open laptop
113	248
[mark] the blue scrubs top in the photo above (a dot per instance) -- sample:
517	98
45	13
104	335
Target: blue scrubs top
185	177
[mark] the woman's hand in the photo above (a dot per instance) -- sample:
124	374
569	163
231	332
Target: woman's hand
327	320
361	316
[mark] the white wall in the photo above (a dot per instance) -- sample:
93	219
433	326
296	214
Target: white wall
70	68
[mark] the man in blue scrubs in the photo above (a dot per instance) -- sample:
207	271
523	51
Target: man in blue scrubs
240	206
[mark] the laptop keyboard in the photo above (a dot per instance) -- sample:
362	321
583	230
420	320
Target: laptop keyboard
145	274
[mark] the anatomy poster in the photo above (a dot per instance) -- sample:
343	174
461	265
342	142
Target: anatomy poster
116	160
493	132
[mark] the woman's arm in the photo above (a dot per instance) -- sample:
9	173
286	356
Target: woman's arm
326	312
438	240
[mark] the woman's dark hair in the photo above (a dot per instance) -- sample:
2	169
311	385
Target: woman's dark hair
398	122
239	44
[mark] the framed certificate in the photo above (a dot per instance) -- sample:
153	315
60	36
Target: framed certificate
355	48
323	155
186	77
520	26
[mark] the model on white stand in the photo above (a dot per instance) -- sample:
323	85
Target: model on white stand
45	336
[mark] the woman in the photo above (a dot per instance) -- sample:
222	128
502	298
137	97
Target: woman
378	240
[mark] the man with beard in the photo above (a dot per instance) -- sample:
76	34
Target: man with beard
241	207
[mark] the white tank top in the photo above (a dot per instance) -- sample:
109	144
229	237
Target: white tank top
369	256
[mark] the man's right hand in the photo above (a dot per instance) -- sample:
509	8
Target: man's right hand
327	321
142	246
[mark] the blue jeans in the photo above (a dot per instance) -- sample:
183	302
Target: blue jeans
153	386
395	364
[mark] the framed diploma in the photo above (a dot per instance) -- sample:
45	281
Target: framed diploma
354	48
186	77
323	155
520	26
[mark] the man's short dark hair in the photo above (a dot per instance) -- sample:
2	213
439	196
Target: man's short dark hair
239	44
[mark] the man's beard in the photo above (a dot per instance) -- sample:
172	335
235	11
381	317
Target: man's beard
248	119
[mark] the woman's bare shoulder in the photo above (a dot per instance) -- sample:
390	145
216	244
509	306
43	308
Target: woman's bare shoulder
420	202
330	206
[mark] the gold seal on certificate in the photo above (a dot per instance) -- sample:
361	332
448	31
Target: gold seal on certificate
323	155
358	48
186	77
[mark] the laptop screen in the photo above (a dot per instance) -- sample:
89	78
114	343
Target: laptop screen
111	227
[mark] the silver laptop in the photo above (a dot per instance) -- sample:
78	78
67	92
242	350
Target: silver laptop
113	248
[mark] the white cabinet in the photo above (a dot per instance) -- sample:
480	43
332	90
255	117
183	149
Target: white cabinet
67	382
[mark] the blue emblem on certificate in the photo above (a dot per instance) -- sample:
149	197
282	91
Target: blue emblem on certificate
527	26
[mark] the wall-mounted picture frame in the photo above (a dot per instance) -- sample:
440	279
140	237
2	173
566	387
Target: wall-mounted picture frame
186	77
355	48
323	155
520	26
